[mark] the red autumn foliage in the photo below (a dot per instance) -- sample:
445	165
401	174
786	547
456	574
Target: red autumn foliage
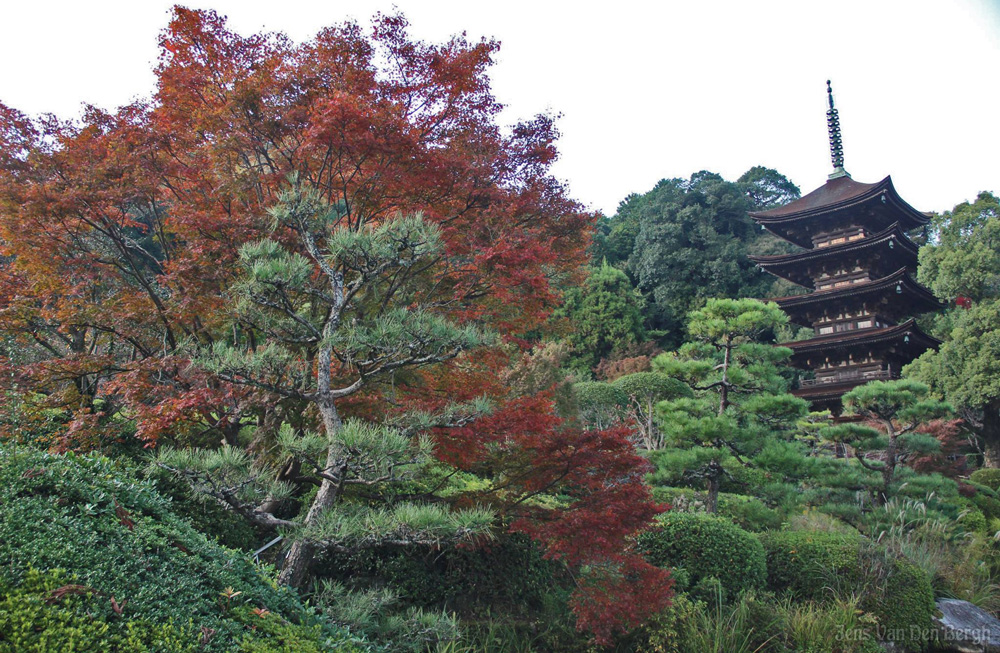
119	235
120	231
950	461
525	447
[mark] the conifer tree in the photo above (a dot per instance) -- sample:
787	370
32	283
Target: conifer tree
324	309
740	398
894	410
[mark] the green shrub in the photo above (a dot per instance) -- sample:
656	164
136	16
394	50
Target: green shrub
803	562
835	566
749	513
52	612
987	476
989	506
706	546
117	536
906	607
671	630
973	520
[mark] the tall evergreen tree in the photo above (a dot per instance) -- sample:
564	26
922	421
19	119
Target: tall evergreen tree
606	314
961	264
687	240
740	398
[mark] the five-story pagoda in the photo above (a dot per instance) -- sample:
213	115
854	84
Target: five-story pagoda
859	265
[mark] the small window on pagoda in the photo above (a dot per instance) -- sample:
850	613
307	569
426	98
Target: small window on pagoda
825	330
837	241
864	324
857	236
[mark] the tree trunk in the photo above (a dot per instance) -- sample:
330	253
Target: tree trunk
295	571
712	502
889	465
990	435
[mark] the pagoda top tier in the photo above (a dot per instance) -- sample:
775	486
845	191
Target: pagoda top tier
839	204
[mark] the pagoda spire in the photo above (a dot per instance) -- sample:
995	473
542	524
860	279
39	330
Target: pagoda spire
836	145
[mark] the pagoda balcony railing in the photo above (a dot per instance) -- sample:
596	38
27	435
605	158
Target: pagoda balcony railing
849	377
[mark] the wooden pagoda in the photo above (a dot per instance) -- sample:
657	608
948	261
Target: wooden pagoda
859	266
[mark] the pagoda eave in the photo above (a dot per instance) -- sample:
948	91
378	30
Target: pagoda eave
890	246
894	292
892	233
908	333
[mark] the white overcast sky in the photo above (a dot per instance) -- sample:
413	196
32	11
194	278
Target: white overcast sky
647	89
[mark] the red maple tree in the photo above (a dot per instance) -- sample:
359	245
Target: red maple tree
120	234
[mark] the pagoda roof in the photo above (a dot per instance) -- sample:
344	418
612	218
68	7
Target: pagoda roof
786	265
837	195
919	299
857	337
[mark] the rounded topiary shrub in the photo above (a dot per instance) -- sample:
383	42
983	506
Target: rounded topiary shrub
809	564
905	606
820	566
989	477
706	546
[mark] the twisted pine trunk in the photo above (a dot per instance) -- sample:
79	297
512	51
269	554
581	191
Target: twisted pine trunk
296	569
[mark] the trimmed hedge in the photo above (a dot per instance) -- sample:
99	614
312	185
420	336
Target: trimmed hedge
906	608
115	536
815	566
989	477
805	563
706	547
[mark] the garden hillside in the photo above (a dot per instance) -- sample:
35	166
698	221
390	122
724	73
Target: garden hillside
307	352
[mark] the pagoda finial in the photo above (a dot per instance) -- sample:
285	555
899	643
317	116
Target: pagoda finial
836	145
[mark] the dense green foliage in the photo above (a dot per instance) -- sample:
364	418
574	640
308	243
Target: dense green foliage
685	241
819	566
114	535
988	477
747	512
607	315
708	549
803	562
740	400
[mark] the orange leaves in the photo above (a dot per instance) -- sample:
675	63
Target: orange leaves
122	231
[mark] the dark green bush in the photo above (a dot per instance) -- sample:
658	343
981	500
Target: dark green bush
749	513
504	576
989	506
204	513
118	537
906	607
805	562
987	476
819	566
706	546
